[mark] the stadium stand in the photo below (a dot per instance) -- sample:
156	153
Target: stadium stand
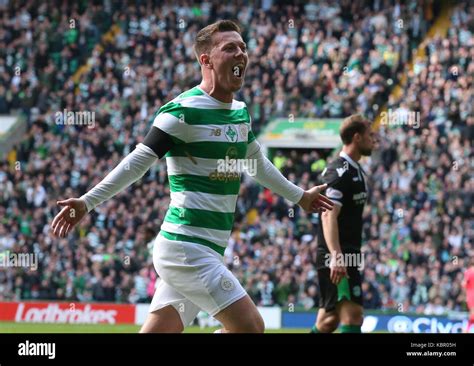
418	223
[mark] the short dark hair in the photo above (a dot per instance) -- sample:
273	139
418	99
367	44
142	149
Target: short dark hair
351	125
203	41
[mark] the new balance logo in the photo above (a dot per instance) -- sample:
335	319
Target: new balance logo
216	132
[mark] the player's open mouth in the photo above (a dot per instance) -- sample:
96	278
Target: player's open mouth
238	70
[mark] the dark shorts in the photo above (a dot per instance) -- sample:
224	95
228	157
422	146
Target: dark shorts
348	289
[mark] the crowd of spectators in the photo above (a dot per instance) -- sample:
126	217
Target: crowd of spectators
316	59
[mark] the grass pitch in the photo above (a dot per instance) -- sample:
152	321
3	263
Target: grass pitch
11	327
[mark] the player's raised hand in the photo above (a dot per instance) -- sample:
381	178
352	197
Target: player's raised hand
72	213
313	200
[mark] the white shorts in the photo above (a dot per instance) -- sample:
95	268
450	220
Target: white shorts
192	277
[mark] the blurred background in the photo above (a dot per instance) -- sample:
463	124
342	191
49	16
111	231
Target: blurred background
407	65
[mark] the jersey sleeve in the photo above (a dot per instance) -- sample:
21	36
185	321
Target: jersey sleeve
267	175
251	136
333	176
171	119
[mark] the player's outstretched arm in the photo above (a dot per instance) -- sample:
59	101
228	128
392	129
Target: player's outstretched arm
130	169
270	177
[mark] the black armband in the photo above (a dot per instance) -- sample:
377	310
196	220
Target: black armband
159	141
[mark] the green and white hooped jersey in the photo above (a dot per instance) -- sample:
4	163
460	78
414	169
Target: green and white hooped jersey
203	198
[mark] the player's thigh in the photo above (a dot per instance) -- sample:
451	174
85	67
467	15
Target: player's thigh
164	320
241	316
350	312
198	273
169	310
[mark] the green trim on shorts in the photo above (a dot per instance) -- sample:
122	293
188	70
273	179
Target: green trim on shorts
192	239
343	290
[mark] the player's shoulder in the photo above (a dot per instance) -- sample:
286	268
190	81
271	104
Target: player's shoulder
238	104
337	166
336	163
193	92
183	99
189	97
177	106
